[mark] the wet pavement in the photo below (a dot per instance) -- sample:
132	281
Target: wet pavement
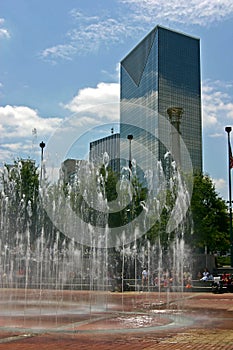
132	320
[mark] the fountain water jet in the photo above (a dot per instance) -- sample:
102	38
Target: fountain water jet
49	277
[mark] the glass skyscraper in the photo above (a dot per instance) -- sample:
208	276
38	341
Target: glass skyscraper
160	83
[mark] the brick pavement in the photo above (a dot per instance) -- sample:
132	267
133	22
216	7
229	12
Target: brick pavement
212	328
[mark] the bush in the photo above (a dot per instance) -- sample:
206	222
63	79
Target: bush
224	260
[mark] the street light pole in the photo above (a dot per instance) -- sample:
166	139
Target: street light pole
228	130
130	138
42	146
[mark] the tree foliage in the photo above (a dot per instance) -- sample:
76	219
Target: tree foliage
206	223
20	191
209	215
20	186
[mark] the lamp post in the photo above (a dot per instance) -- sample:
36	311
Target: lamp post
42	146
228	130
130	138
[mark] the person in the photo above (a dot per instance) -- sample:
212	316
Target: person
144	277
187	280
205	275
225	278
217	285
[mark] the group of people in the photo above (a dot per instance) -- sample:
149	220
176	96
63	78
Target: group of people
218	283
227	280
166	279
223	283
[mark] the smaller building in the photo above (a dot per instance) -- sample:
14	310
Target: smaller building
68	170
106	151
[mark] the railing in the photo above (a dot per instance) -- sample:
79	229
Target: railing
107	284
111	284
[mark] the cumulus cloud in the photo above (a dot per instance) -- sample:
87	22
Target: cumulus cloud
87	97
99	103
91	106
17	127
19	121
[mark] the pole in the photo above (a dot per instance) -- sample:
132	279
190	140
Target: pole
42	146
130	138
228	130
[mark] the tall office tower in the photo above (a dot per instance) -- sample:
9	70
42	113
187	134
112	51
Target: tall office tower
161	98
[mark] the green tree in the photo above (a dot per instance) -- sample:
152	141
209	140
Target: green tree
20	184
206	223
22	177
209	215
132	197
159	229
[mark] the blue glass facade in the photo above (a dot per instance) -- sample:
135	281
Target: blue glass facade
161	72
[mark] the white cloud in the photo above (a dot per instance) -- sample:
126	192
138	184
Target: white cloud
132	18
53	53
4	33
113	76
87	97
89	35
91	106
221	186
96	33
19	121
201	12
99	103
217	104
17	129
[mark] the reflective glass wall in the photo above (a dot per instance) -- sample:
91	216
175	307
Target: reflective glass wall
161	72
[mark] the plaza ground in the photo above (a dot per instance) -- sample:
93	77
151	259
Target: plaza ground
206	322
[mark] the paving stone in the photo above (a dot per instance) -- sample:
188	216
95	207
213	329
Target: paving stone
212	328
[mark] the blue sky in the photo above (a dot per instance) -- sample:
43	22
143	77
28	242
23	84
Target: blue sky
59	57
